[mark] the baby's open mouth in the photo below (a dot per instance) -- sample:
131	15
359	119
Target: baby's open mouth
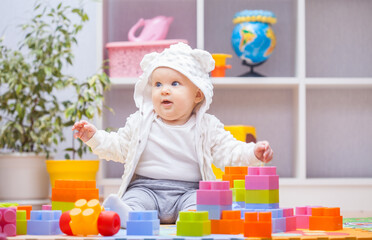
166	102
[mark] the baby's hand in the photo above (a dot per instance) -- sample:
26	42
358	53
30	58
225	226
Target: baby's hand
263	151
85	130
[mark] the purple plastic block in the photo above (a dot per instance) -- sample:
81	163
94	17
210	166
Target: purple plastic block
275	213
214	211
261	205
8	221
287	212
261	182
278	225
44	222
214	197
290	223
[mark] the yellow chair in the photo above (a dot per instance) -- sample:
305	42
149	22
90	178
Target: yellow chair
242	133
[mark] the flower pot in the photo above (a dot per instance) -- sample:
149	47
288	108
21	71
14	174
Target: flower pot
72	169
23	176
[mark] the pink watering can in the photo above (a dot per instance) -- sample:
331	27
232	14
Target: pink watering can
153	29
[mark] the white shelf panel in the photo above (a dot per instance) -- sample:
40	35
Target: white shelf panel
226	82
338	82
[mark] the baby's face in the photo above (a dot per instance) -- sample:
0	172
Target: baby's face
174	96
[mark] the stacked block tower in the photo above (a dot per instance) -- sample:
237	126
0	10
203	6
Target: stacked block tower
66	192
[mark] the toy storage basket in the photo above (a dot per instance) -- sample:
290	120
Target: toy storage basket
125	57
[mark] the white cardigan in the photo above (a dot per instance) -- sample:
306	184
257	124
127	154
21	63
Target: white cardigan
214	145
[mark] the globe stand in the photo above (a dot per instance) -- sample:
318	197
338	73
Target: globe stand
251	73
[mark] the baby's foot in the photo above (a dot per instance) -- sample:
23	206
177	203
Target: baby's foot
114	203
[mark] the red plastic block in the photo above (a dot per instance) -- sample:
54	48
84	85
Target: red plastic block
230	223
327	219
258	224
8	221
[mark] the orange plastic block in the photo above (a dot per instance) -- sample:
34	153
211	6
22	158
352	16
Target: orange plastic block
84	217
28	209
230	223
234	173
72	195
327	219
257	224
75	184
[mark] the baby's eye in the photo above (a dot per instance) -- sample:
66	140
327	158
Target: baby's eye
157	84
175	83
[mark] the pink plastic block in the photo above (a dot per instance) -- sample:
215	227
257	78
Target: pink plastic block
46	207
214	185
253	171
290	224
301	211
287	212
261	182
214	197
302	221
8	221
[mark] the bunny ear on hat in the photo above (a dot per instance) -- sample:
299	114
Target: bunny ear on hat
148	60
204	58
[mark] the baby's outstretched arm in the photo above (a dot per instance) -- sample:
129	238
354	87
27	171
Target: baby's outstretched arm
85	130
263	151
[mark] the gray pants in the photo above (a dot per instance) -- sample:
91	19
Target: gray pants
168	197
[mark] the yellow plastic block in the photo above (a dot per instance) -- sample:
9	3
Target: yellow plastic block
262	196
84	217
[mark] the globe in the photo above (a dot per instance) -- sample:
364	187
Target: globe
253	38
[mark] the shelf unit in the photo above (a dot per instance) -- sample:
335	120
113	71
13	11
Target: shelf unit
311	106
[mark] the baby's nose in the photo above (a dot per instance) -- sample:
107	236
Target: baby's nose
165	90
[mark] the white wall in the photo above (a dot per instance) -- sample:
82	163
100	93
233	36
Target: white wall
16	12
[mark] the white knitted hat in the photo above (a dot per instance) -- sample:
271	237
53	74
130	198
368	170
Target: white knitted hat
195	64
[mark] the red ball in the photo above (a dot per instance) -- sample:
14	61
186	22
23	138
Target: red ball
64	223
108	223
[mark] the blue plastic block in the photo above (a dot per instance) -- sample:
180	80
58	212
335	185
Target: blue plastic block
244	210
275	213
143	223
238	205
261	205
45	222
278	225
214	211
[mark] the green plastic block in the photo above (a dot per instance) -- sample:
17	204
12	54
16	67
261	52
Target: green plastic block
63	206
7	204
21	222
193	224
262	196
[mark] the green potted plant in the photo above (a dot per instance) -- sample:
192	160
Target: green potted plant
32	117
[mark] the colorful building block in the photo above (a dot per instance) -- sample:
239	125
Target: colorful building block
234	173
27	208
262	196
46	207
89	218
214	193
8	221
327	219
21	222
261	205
8	204
143	223
214	211
239	191
194	224
67	192
302	216
44	222
230	223
290	219
259	178
258	224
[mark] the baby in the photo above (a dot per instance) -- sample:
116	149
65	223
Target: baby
170	143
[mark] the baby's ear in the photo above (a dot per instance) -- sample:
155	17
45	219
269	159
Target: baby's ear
199	96
204	58
147	60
